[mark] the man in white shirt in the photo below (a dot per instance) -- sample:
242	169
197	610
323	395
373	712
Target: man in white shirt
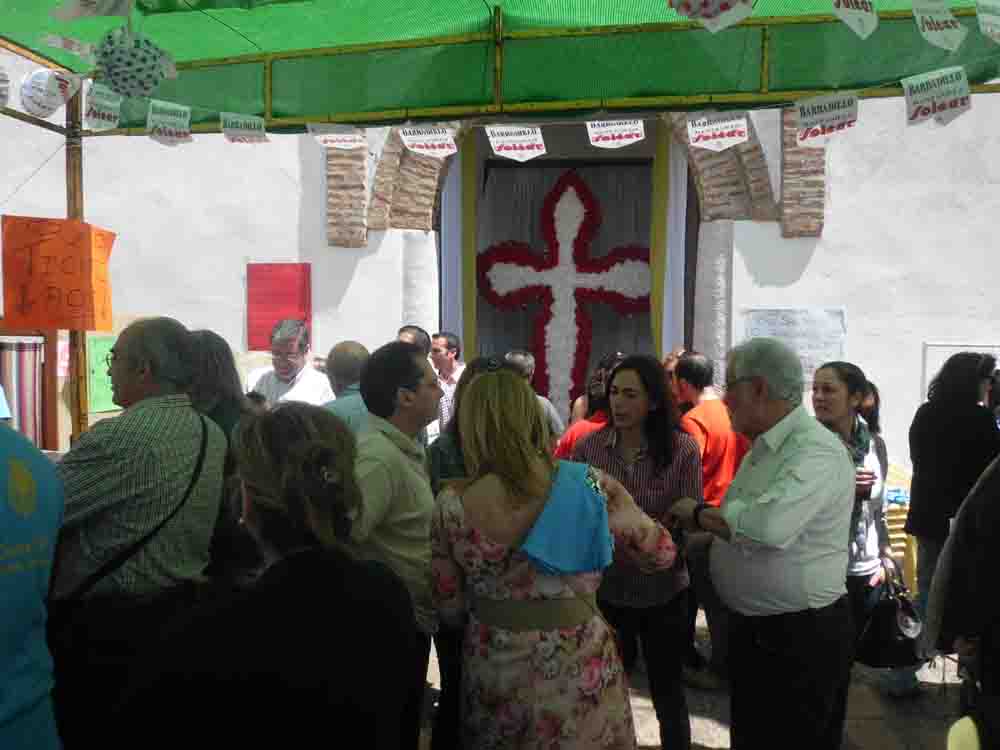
291	378
779	558
446	353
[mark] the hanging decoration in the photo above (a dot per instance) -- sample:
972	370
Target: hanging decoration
85	52
564	281
943	95
988	12
436	142
516	142
44	91
860	16
937	25
4	88
730	13
344	137
72	9
103	108
131	65
822	116
717	131
169	124
237	128
615	133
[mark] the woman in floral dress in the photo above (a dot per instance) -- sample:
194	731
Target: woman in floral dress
521	550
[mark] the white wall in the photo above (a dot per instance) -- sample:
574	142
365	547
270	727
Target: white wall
190	218
909	247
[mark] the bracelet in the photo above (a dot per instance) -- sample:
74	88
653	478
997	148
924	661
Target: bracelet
696	516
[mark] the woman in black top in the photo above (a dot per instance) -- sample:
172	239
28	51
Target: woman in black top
953	438
314	651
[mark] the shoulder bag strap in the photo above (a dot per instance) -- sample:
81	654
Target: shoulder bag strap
110	566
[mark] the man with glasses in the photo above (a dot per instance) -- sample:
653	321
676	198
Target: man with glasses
290	379
779	557
401	391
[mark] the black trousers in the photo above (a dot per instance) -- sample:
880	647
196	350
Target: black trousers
447	731
788	674
414	709
662	631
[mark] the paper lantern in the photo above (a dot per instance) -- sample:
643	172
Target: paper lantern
44	91
129	64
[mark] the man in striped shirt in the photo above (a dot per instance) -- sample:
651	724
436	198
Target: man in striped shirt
127	473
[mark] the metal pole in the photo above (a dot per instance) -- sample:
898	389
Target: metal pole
79	406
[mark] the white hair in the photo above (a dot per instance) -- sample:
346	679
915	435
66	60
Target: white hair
774	362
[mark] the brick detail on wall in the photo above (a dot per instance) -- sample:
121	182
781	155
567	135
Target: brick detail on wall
732	184
346	197
803	182
415	191
386	175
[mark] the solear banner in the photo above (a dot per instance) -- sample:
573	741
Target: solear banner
942	94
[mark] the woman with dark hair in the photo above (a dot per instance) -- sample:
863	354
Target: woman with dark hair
217	392
316	641
953	438
592	400
643	447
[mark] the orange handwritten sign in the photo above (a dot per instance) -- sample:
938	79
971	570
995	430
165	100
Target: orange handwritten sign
55	274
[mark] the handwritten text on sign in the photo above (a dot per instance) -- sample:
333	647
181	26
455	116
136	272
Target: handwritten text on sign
822	116
859	15
943	95
937	25
615	133
517	143
437	142
717	132
167	123
56	274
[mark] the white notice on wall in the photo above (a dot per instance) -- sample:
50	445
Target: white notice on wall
942	94
615	133
516	142
822	116
859	15
429	141
4	88
988	12
717	131
817	335
237	128
103	108
937	25
344	137
740	9
168	123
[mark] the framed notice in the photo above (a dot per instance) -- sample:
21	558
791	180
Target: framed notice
98	381
818	335
276	291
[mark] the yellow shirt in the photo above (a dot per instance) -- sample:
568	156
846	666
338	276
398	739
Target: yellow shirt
394	526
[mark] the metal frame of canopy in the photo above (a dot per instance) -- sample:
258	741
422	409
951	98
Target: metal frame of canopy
499	108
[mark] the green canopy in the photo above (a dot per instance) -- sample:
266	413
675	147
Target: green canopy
370	61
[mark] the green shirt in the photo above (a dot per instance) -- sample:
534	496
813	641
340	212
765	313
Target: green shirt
394	526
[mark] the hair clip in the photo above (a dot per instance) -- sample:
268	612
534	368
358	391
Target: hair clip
493	364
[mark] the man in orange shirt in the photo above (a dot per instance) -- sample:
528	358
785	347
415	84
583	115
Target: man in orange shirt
722	450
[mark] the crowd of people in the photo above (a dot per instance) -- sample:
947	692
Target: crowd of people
272	565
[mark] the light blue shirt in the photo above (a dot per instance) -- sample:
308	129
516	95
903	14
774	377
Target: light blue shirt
351	408
31	511
4	408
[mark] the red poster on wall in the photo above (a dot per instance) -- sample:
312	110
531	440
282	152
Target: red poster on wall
276	291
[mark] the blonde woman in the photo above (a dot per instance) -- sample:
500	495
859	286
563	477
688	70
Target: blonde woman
521	550
318	639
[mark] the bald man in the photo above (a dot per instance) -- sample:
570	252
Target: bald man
343	367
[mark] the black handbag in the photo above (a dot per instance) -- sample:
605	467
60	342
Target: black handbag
889	638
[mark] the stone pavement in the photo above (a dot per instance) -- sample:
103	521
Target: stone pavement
874	721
